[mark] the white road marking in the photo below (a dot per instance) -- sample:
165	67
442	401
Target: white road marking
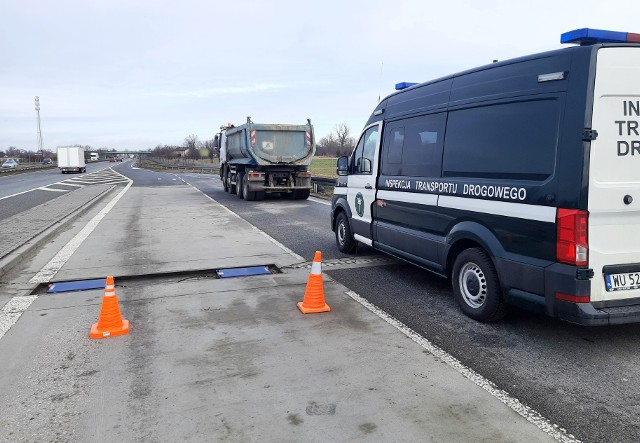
11	312
53	190
271	239
64	183
319	200
13	195
529	414
56	263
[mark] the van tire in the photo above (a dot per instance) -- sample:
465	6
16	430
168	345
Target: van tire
239	178
344	237
476	287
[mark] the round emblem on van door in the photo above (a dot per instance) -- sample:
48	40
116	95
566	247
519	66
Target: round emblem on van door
360	204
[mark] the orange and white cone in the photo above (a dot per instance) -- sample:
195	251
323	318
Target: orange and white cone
110	321
314	294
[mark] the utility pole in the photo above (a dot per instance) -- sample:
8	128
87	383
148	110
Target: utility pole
39	130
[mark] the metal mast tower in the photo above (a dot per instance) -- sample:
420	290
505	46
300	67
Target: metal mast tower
39	130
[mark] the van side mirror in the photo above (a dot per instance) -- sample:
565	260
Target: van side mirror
342	167
216	141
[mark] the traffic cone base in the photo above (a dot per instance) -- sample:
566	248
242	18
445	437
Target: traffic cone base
304	310
97	333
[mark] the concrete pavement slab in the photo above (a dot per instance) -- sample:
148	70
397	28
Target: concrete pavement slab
171	229
212	360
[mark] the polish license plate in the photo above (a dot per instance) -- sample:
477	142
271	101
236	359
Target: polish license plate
622	282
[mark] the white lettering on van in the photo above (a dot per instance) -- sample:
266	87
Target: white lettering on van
397	183
437	187
491	191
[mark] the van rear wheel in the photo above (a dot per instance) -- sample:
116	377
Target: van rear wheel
476	287
344	237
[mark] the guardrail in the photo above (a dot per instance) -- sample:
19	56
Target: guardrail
23	168
319	183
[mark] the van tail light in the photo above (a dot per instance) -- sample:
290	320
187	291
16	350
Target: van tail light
571	244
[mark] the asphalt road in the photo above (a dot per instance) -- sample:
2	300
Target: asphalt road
585	379
20	192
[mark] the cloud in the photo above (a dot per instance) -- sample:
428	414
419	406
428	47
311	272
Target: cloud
209	92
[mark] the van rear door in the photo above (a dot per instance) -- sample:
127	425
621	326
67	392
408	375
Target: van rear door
614	176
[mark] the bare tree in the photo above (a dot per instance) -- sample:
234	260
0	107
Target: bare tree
338	142
213	152
191	144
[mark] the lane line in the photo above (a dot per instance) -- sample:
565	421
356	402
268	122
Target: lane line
318	200
524	411
53	190
11	312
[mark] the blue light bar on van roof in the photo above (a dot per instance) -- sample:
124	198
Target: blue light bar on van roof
404	85
586	36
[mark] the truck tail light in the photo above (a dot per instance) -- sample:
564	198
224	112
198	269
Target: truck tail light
571	244
303	174
255	176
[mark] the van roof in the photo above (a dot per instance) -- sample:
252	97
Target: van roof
487	82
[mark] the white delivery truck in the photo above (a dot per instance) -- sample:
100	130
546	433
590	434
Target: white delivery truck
71	159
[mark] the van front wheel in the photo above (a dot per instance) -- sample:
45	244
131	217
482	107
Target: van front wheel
476	287
344	237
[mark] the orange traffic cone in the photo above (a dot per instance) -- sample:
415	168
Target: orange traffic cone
110	321
314	294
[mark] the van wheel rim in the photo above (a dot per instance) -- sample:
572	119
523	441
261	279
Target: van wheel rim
341	233
473	285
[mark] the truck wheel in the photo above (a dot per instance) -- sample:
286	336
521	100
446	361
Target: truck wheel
476	287
232	187
303	194
239	179
248	195
259	195
344	238
225	180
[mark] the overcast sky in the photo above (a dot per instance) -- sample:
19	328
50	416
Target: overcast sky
134	74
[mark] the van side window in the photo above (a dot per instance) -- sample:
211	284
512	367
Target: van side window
511	140
413	147
363	155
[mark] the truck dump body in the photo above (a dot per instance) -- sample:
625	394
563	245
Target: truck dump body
262	144
259	159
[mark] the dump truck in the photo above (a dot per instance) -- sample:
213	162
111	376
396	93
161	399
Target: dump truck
71	159
258	159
